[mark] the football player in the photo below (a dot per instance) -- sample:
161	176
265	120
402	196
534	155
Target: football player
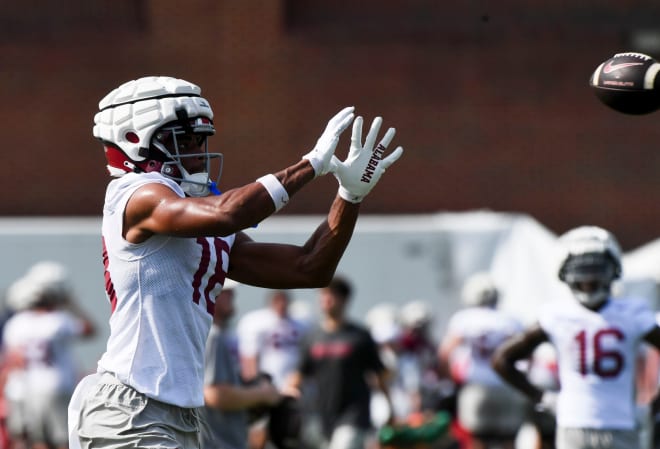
268	340
597	339
38	348
486	407
228	400
170	240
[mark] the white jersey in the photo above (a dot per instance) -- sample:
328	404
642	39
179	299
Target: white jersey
481	330
273	340
44	340
597	353
162	294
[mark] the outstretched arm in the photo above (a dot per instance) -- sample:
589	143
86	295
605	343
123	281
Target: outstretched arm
228	397
314	263
156	209
517	348
449	343
311	265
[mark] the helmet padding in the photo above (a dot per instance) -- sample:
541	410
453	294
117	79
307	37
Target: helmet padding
139	107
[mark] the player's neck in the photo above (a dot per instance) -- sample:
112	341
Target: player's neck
598	307
331	324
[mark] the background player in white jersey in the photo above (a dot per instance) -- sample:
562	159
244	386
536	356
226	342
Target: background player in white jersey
269	339
486	407
597	340
226	397
38	340
268	342
170	241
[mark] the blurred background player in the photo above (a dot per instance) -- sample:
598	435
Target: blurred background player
268	339
227	400
41	370
19	296
343	361
597	339
268	343
539	430
418	370
382	321
416	414
487	408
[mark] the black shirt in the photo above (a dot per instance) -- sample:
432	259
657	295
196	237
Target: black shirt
338	362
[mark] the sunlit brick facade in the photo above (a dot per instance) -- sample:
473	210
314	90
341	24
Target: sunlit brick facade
492	105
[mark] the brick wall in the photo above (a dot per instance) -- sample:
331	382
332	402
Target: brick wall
491	105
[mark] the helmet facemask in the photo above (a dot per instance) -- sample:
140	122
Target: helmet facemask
591	264
177	142
590	277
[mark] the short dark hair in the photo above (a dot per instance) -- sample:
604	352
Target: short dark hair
340	287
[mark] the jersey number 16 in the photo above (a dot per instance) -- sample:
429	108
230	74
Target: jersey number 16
605	362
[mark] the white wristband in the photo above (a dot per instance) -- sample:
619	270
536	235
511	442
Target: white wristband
276	190
315	162
348	196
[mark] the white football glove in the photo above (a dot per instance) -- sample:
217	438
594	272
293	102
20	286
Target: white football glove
364	166
322	153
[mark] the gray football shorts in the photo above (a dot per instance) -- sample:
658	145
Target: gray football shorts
114	415
578	438
47	418
16	419
492	411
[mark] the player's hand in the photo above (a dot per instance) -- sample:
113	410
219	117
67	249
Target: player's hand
364	166
322	153
289	390
269	394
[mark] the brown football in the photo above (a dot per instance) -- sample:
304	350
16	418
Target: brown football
628	83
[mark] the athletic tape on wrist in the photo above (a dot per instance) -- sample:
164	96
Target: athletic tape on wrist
275	189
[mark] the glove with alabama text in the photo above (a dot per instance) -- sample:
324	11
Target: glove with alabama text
364	166
321	154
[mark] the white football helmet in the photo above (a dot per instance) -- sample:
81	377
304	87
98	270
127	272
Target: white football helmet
592	255
22	294
146	124
51	279
479	290
45	283
383	322
415	314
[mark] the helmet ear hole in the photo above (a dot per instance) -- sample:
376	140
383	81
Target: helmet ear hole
132	137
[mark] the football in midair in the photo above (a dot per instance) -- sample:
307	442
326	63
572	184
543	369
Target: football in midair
628	83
